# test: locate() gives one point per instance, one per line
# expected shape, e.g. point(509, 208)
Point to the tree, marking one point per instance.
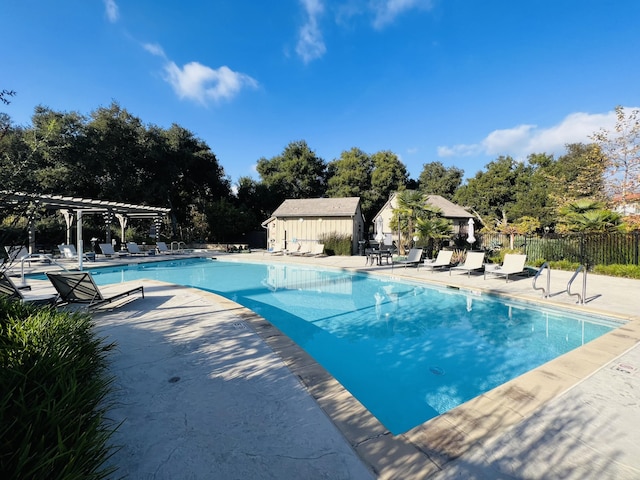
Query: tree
point(389, 175)
point(436, 179)
point(588, 216)
point(4, 94)
point(621, 149)
point(411, 205)
point(350, 176)
point(297, 173)
point(492, 194)
point(577, 174)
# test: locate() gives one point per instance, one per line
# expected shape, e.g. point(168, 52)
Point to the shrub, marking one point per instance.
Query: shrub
point(54, 386)
point(336, 244)
point(627, 271)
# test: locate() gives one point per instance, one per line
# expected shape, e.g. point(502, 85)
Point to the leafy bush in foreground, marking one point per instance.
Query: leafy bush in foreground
point(54, 384)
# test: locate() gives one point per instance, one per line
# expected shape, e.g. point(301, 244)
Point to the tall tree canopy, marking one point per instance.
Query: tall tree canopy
point(296, 173)
point(621, 149)
point(436, 179)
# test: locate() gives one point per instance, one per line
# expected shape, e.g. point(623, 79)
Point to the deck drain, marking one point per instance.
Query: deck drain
point(240, 325)
point(625, 368)
point(436, 370)
point(174, 379)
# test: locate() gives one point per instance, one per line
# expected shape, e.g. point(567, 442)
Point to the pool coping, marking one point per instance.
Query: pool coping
point(427, 448)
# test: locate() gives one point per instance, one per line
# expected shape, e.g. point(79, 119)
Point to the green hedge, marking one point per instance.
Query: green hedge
point(54, 388)
point(336, 244)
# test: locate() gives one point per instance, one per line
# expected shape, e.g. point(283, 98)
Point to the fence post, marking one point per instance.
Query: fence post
point(636, 236)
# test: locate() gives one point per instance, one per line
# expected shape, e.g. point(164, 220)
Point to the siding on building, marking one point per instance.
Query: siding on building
point(299, 223)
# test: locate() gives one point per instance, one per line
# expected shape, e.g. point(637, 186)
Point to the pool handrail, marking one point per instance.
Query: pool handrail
point(547, 291)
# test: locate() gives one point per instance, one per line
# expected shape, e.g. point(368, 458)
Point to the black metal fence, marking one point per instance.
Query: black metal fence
point(587, 249)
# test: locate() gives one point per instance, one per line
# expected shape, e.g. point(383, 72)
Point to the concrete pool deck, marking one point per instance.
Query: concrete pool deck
point(208, 389)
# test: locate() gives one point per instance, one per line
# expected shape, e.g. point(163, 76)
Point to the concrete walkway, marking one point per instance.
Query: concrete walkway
point(208, 390)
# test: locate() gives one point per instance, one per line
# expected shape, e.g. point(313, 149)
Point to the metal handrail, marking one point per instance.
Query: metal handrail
point(584, 284)
point(40, 256)
point(547, 291)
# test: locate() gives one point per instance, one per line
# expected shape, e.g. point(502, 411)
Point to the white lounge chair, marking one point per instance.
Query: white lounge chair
point(161, 247)
point(473, 261)
point(317, 250)
point(134, 249)
point(413, 258)
point(69, 252)
point(108, 251)
point(443, 260)
point(20, 253)
point(512, 265)
point(79, 287)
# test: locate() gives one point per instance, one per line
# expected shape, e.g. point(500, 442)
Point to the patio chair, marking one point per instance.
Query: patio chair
point(317, 250)
point(79, 287)
point(513, 264)
point(134, 249)
point(443, 260)
point(9, 289)
point(69, 252)
point(161, 247)
point(473, 261)
point(108, 251)
point(413, 258)
point(18, 253)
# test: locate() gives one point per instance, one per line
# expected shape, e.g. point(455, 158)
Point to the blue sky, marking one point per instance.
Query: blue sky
point(456, 81)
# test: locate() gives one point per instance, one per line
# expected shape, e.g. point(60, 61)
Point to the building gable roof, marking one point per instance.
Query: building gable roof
point(449, 209)
point(318, 207)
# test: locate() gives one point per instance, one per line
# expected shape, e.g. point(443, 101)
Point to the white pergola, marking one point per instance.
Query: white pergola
point(75, 207)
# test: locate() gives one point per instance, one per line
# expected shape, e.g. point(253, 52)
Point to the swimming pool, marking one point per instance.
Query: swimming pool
point(407, 351)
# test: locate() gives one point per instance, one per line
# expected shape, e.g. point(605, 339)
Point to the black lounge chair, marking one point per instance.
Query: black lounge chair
point(79, 287)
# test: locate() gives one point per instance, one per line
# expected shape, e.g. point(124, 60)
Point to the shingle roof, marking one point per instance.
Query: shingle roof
point(318, 207)
point(449, 209)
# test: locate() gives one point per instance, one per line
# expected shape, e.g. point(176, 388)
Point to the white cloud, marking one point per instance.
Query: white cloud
point(198, 82)
point(111, 9)
point(310, 42)
point(154, 49)
point(386, 11)
point(523, 140)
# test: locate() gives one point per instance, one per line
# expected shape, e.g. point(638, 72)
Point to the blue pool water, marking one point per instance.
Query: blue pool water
point(407, 351)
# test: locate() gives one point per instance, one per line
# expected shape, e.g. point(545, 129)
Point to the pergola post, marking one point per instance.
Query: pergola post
point(123, 225)
point(68, 218)
point(80, 247)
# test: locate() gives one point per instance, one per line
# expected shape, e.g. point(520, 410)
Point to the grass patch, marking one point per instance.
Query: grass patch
point(54, 395)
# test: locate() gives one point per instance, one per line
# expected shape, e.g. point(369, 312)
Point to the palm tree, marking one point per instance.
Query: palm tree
point(433, 230)
point(589, 216)
point(411, 205)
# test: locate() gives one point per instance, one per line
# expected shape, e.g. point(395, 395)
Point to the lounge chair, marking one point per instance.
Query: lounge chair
point(413, 258)
point(512, 265)
point(9, 289)
point(134, 249)
point(79, 287)
point(19, 253)
point(108, 251)
point(161, 247)
point(473, 261)
point(443, 260)
point(299, 250)
point(69, 252)
point(317, 250)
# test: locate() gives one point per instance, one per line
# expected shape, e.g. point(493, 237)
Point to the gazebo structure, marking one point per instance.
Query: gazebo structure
point(73, 208)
